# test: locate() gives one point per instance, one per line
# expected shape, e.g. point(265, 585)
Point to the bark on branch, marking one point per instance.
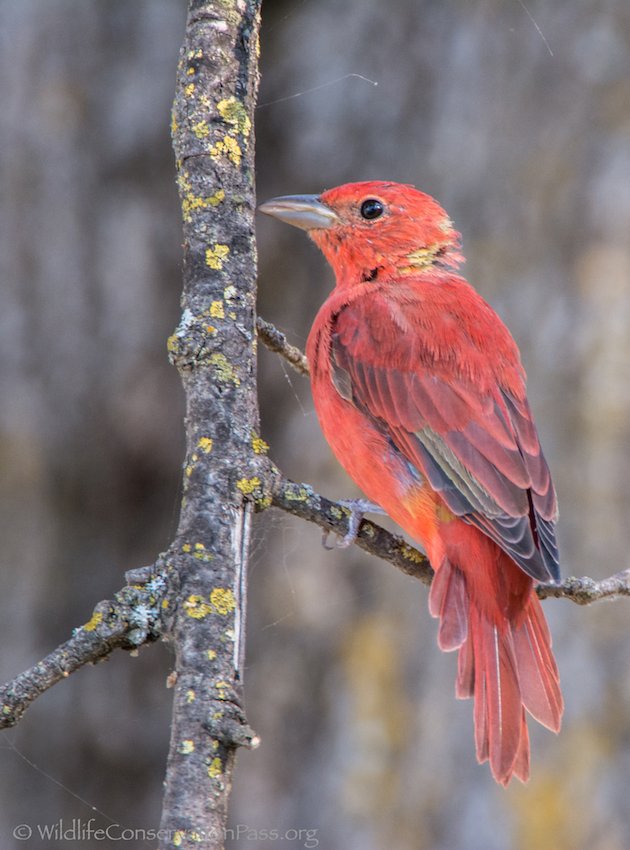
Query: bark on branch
point(276, 341)
point(214, 350)
point(126, 622)
point(302, 501)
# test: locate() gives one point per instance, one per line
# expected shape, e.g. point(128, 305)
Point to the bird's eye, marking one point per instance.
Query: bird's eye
point(371, 209)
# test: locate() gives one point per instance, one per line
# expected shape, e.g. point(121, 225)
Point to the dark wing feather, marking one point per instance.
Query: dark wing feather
point(480, 451)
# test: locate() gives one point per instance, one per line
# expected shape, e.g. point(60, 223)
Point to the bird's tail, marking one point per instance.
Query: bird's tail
point(506, 663)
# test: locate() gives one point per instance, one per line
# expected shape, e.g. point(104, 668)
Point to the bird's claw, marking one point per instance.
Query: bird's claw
point(328, 546)
point(357, 508)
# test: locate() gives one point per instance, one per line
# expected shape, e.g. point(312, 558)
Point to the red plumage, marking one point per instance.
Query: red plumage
point(420, 392)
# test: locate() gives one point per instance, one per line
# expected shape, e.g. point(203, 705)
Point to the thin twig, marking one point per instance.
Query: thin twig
point(123, 623)
point(302, 501)
point(276, 341)
point(585, 590)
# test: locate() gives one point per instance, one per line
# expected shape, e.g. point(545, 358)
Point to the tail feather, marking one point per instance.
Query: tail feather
point(448, 600)
point(538, 672)
point(521, 762)
point(508, 667)
point(482, 737)
point(465, 682)
point(495, 667)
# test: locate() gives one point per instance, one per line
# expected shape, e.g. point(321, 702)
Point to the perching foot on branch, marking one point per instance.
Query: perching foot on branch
point(357, 508)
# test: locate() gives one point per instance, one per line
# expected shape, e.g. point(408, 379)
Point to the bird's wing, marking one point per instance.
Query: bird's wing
point(478, 449)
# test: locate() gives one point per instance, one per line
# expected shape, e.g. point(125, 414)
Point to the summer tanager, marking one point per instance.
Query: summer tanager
point(420, 392)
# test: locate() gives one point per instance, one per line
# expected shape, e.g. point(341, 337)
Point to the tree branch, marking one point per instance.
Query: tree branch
point(128, 621)
point(276, 341)
point(214, 350)
point(585, 590)
point(197, 596)
point(302, 501)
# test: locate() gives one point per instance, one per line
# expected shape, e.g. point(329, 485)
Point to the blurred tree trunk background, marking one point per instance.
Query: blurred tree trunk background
point(521, 129)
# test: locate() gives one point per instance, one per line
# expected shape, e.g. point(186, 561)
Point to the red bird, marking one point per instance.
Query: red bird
point(420, 392)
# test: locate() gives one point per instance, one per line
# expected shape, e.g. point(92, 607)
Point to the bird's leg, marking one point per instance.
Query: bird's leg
point(357, 508)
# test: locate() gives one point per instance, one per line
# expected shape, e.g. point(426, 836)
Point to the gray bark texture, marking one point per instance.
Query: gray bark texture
point(214, 350)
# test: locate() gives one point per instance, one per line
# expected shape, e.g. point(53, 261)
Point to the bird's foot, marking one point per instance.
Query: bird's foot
point(357, 508)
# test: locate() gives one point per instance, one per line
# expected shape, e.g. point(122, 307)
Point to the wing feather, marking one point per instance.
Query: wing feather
point(477, 446)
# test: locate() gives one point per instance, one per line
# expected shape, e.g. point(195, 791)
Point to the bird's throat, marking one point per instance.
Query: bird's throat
point(422, 258)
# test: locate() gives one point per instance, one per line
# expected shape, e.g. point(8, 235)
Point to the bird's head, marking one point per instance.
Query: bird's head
point(373, 229)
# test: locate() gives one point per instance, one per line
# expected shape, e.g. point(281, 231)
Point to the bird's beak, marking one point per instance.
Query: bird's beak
point(304, 211)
